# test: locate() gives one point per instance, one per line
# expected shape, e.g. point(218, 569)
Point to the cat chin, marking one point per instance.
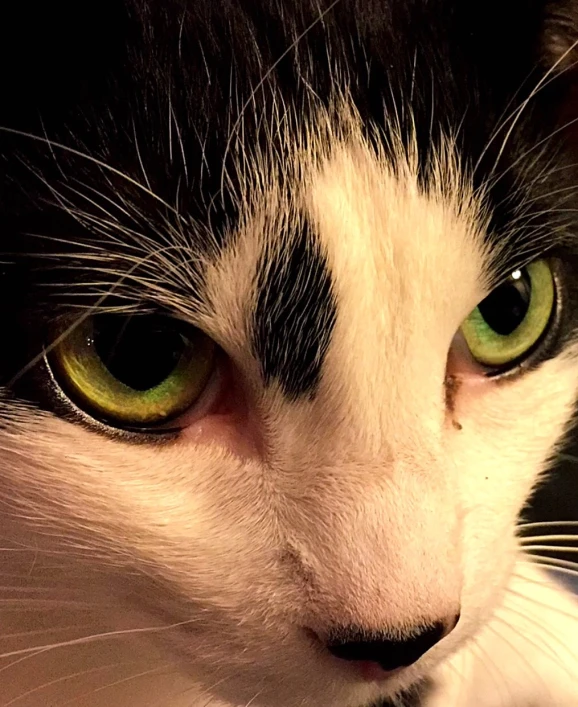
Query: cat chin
point(277, 664)
point(306, 685)
point(267, 667)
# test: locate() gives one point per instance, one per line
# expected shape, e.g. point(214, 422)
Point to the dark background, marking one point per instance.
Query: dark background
point(557, 500)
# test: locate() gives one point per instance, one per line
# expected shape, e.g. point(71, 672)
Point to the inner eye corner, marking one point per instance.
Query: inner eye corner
point(102, 369)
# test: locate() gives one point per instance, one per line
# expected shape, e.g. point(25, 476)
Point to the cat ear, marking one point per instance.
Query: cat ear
point(560, 37)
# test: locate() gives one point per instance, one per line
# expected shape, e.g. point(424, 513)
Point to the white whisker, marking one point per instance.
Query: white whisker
point(516, 651)
point(542, 143)
point(94, 160)
point(549, 524)
point(550, 548)
point(139, 157)
point(64, 678)
point(122, 681)
point(238, 122)
point(548, 581)
point(492, 669)
point(556, 566)
point(514, 117)
point(122, 633)
point(546, 538)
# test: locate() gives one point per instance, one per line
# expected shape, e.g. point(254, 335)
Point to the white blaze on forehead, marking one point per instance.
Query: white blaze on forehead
point(407, 268)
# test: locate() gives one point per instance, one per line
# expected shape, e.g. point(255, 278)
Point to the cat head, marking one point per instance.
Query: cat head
point(289, 295)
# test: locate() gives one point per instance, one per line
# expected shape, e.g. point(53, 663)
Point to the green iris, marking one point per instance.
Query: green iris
point(511, 320)
point(136, 371)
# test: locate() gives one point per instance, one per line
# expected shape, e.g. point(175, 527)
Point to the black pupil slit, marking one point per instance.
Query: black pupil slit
point(139, 351)
point(506, 307)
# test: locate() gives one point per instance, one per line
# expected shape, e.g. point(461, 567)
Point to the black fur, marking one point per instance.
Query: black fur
point(179, 79)
point(169, 94)
point(412, 698)
point(294, 314)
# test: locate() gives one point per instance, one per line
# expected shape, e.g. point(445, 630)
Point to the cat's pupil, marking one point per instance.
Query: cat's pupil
point(139, 351)
point(506, 307)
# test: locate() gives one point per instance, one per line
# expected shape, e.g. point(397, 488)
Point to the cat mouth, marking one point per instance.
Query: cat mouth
point(178, 632)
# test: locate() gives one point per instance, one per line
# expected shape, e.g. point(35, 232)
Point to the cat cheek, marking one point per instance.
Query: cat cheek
point(224, 432)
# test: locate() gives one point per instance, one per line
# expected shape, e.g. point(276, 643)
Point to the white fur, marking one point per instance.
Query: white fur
point(374, 503)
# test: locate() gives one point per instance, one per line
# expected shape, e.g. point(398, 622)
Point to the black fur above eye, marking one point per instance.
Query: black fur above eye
point(127, 121)
point(294, 314)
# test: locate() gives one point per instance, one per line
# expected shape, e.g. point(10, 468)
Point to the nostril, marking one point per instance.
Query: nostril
point(389, 653)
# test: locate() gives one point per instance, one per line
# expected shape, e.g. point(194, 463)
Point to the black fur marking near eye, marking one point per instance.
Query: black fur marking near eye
point(294, 315)
point(181, 96)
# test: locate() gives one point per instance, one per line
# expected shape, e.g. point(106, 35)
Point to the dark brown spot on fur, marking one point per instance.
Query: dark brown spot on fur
point(292, 561)
point(452, 384)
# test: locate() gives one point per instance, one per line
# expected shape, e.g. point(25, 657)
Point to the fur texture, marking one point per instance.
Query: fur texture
point(327, 191)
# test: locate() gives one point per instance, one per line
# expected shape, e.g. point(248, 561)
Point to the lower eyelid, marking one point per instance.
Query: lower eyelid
point(210, 399)
point(460, 361)
point(227, 418)
point(84, 389)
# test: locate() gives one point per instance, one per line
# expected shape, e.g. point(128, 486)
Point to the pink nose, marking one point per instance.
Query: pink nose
point(373, 672)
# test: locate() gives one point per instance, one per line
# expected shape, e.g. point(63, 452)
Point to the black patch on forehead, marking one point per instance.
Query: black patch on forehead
point(295, 313)
point(176, 97)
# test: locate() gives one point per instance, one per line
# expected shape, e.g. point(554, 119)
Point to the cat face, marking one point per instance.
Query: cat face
point(316, 228)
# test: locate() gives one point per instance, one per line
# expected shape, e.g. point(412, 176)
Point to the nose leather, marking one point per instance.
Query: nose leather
point(389, 653)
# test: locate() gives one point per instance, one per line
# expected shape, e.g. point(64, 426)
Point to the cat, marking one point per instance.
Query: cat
point(288, 304)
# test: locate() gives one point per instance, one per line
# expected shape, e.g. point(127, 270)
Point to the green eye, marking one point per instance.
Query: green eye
point(133, 371)
point(512, 318)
